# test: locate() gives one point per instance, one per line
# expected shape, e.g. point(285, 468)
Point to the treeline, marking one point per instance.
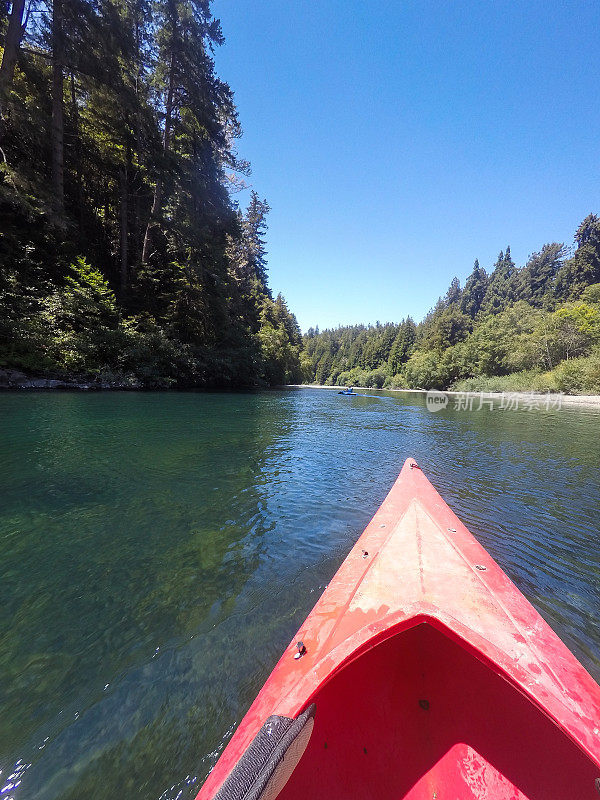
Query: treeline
point(531, 328)
point(122, 252)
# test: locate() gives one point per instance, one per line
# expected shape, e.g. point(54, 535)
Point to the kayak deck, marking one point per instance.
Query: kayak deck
point(431, 675)
point(418, 714)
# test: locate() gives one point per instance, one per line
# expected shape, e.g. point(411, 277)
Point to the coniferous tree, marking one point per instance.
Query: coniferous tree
point(535, 282)
point(402, 346)
point(118, 147)
point(584, 268)
point(15, 30)
point(500, 290)
point(454, 293)
point(474, 291)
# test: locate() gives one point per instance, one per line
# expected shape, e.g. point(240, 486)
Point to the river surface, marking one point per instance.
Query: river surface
point(158, 551)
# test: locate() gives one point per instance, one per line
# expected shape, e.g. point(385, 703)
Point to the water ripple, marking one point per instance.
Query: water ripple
point(158, 551)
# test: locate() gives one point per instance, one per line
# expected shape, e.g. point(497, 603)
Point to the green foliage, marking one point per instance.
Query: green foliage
point(505, 332)
point(402, 346)
point(446, 328)
point(424, 371)
point(280, 340)
point(395, 382)
point(82, 322)
point(575, 376)
point(524, 381)
point(535, 282)
point(474, 291)
point(357, 377)
point(591, 294)
point(584, 268)
point(501, 290)
point(122, 252)
point(579, 375)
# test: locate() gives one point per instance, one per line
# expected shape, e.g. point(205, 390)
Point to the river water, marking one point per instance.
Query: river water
point(158, 551)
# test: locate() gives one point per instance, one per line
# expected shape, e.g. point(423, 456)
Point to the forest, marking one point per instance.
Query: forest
point(125, 258)
point(533, 328)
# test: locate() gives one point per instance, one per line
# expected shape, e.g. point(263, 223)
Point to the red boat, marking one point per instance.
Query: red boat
point(422, 673)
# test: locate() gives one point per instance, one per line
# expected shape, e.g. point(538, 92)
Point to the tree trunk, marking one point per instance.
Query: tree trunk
point(12, 43)
point(57, 106)
point(157, 199)
point(78, 153)
point(124, 248)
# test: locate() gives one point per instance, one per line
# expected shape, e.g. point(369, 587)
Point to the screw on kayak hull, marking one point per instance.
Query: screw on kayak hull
point(452, 530)
point(365, 553)
point(301, 650)
point(480, 567)
point(424, 704)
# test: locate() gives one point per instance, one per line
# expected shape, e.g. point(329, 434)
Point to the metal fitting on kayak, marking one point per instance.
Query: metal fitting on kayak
point(480, 567)
point(301, 650)
point(414, 465)
point(365, 553)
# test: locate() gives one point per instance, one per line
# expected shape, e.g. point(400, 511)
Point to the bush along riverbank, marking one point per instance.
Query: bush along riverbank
point(536, 328)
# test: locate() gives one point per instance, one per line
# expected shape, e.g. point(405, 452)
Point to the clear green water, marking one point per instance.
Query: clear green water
point(158, 551)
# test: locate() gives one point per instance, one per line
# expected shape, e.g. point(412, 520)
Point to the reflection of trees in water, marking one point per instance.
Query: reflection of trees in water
point(99, 587)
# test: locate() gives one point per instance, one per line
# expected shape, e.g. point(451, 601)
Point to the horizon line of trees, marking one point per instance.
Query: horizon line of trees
point(123, 253)
point(540, 321)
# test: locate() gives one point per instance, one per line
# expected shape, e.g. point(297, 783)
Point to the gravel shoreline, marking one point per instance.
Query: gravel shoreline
point(589, 400)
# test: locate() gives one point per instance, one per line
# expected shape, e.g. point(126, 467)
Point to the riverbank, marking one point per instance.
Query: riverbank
point(590, 400)
point(15, 380)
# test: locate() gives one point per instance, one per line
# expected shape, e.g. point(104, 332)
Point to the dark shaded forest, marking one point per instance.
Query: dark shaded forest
point(534, 328)
point(126, 260)
point(124, 256)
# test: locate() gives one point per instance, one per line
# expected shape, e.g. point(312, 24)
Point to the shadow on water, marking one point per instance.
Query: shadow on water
point(158, 551)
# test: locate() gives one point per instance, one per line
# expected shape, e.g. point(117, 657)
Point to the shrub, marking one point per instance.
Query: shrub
point(397, 381)
point(375, 379)
point(579, 375)
point(422, 371)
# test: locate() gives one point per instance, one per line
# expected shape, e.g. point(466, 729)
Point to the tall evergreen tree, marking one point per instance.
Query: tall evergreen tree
point(454, 293)
point(474, 291)
point(535, 282)
point(402, 346)
point(584, 268)
point(15, 30)
point(500, 290)
point(118, 148)
point(254, 227)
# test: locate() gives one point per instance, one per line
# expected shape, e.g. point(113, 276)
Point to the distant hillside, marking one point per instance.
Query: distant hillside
point(531, 328)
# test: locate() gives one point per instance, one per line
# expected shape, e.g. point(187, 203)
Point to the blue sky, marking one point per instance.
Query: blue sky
point(398, 141)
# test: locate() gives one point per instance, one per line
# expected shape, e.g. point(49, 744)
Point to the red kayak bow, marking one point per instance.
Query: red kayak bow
point(421, 673)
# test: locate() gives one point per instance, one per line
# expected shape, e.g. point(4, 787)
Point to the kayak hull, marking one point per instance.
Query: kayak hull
point(431, 675)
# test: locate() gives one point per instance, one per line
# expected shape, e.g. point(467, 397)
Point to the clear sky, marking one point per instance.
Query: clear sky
point(398, 140)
